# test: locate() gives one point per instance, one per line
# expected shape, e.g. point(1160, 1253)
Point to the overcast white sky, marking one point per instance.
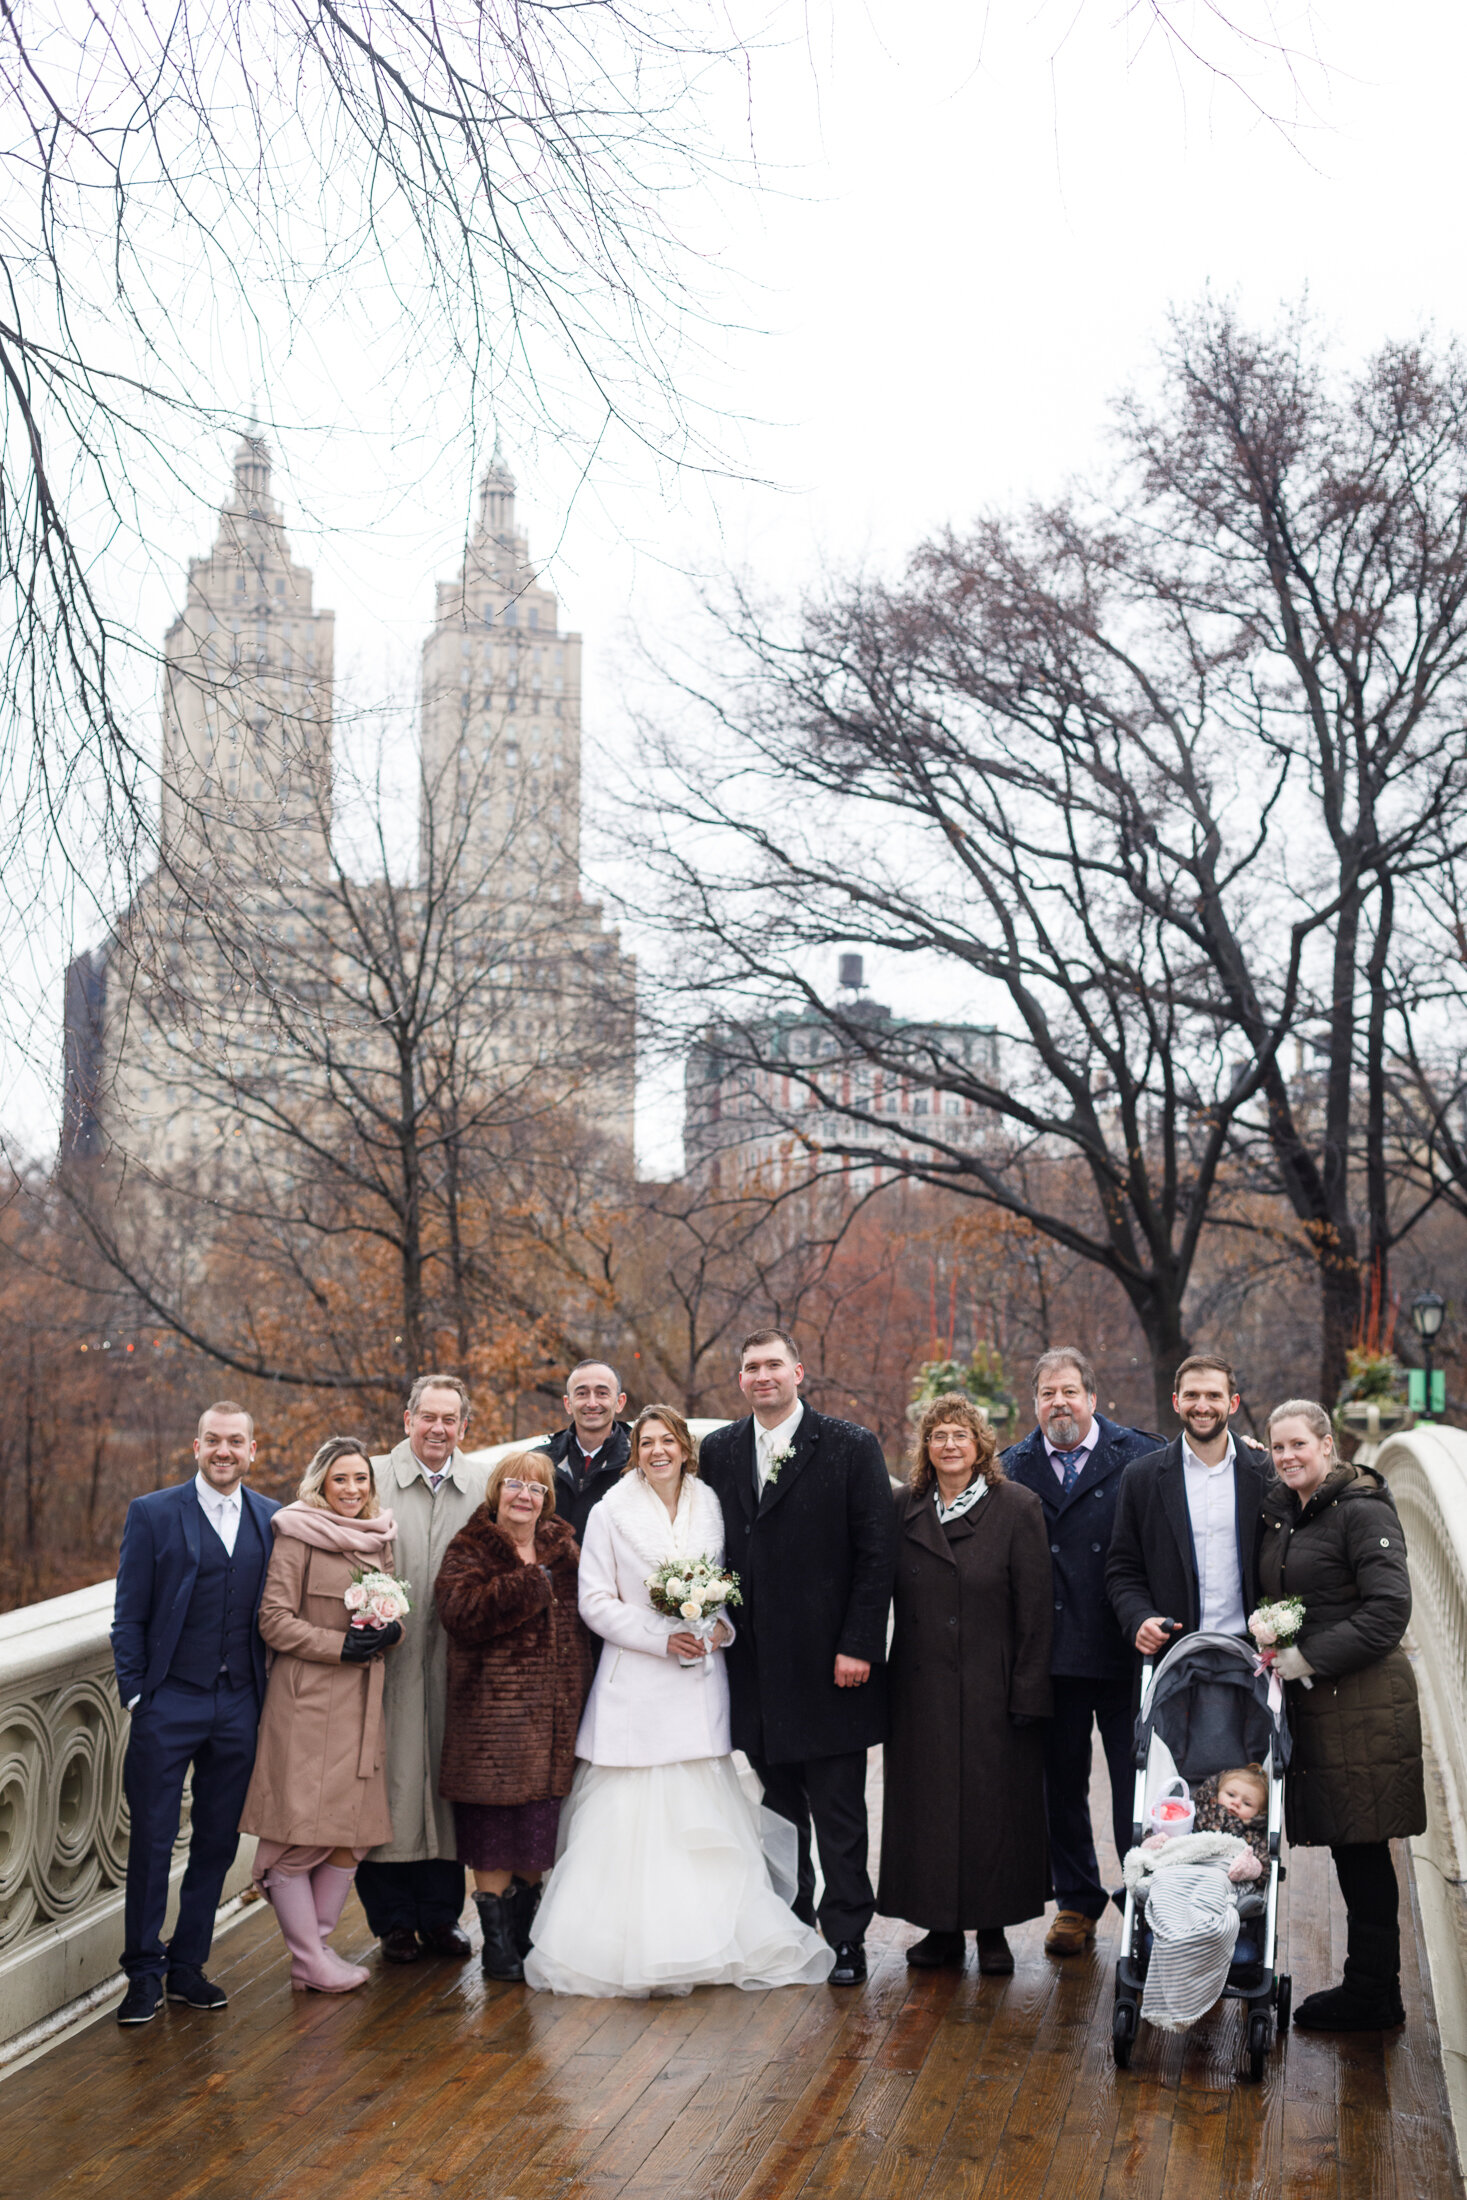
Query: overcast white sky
point(972, 225)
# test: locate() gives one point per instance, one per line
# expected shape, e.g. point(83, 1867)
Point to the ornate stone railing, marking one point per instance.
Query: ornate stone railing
point(63, 1817)
point(1426, 1468)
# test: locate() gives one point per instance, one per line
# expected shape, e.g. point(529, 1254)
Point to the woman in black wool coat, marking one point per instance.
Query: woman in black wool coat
point(1331, 1537)
point(963, 1841)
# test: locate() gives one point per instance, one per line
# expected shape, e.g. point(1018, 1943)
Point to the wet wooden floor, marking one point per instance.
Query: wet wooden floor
point(431, 2083)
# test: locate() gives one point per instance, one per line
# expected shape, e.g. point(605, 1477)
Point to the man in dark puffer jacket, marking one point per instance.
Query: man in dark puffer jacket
point(1331, 1537)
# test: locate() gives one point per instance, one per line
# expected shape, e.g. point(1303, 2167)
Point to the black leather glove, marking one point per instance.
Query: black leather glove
point(359, 1645)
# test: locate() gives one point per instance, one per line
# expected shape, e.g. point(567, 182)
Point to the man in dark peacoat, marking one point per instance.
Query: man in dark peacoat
point(1073, 1463)
point(1164, 1563)
point(191, 1670)
point(810, 1532)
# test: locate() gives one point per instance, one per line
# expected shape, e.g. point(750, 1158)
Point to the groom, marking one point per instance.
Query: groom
point(810, 1530)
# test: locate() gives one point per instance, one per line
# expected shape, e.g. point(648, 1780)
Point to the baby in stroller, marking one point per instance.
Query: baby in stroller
point(1187, 1884)
point(1200, 1915)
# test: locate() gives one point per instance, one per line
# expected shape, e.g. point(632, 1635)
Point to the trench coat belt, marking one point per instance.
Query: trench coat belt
point(371, 1720)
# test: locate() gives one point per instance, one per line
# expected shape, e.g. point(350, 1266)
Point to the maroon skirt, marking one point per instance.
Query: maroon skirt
point(501, 1837)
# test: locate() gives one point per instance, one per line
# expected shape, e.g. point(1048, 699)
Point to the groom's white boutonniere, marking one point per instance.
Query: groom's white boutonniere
point(778, 1460)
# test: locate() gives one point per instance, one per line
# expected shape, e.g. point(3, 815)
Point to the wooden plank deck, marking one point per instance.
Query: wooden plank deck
point(432, 2083)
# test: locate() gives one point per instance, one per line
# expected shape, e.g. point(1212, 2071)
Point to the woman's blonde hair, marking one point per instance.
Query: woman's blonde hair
point(682, 1436)
point(921, 1474)
point(313, 1481)
point(525, 1466)
point(1307, 1410)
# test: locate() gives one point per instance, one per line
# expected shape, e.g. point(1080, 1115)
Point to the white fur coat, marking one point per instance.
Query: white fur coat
point(644, 1708)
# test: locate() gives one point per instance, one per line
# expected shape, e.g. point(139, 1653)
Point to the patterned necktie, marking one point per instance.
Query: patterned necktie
point(1071, 1461)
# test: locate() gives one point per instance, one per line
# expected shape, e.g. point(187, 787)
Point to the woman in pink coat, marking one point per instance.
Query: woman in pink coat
point(318, 1797)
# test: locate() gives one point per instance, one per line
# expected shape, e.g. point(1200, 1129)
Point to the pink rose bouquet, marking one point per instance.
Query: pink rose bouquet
point(376, 1599)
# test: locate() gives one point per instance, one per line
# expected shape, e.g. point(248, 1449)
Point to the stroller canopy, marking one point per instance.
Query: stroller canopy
point(1211, 1710)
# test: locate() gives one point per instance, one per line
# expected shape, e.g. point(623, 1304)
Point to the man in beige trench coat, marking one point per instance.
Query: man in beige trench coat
point(412, 1887)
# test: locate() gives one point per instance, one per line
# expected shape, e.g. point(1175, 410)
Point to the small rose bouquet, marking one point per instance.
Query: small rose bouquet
point(694, 1591)
point(376, 1599)
point(1275, 1627)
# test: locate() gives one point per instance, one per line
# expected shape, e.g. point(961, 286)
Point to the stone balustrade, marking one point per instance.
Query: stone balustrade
point(63, 1816)
point(1426, 1468)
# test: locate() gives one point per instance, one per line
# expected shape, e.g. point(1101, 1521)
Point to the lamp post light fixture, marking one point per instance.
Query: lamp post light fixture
point(1428, 1386)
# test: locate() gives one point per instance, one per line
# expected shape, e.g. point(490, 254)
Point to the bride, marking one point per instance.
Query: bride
point(660, 1883)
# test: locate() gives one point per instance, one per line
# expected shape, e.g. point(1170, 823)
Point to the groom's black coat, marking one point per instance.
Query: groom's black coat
point(816, 1557)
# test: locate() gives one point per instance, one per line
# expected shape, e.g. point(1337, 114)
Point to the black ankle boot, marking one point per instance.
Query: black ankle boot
point(524, 1901)
point(1368, 1998)
point(501, 1958)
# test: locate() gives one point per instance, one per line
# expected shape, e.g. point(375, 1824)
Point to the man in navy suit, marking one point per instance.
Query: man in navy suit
point(191, 1670)
point(1073, 1462)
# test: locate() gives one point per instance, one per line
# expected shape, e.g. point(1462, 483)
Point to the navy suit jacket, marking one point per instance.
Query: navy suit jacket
point(1088, 1643)
point(155, 1579)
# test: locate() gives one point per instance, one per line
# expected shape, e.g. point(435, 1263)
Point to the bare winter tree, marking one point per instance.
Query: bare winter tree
point(333, 1105)
point(1151, 775)
point(476, 196)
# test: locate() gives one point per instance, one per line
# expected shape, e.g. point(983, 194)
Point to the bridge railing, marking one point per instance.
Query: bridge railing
point(1426, 1468)
point(63, 1815)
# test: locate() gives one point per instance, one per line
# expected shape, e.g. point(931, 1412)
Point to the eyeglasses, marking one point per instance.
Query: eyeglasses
point(524, 1489)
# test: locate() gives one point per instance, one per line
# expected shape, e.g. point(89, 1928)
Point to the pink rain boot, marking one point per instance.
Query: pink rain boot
point(330, 1886)
point(313, 1969)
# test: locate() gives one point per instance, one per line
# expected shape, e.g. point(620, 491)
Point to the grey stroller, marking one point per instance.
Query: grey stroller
point(1203, 1709)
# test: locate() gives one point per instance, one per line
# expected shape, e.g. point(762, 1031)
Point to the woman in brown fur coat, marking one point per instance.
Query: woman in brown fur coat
point(519, 1667)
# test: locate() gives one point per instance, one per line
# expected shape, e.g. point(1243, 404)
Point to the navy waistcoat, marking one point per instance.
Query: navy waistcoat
point(216, 1639)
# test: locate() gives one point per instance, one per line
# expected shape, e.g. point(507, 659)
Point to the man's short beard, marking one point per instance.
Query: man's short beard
point(1059, 1421)
point(1196, 1426)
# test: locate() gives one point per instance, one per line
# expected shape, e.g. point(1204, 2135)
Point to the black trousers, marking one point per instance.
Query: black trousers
point(832, 1792)
point(1079, 1704)
point(214, 1730)
point(1368, 1883)
point(417, 1898)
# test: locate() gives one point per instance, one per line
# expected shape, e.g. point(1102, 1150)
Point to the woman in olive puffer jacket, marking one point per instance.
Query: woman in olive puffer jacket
point(1331, 1537)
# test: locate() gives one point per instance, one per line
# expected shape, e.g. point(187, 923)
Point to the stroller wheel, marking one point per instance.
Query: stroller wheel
point(1260, 2039)
point(1285, 2002)
point(1123, 2033)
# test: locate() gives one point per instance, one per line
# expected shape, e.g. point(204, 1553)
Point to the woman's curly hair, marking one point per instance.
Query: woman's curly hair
point(921, 1473)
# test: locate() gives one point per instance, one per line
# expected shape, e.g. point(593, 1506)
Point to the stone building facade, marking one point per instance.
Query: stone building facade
point(233, 950)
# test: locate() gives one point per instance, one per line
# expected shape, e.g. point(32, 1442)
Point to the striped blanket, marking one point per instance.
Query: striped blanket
point(1192, 1909)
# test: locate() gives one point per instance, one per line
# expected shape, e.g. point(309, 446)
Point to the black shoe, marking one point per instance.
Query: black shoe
point(142, 2001)
point(524, 1901)
point(995, 1956)
point(850, 1963)
point(1351, 2008)
point(446, 1940)
point(188, 1984)
point(501, 1958)
point(401, 1945)
point(936, 1949)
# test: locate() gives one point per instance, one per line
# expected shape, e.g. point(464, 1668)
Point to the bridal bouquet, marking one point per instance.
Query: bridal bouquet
point(1275, 1627)
point(375, 1599)
point(694, 1591)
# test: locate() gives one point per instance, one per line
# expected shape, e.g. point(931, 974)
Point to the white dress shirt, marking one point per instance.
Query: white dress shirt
point(221, 1512)
point(768, 1441)
point(1212, 1506)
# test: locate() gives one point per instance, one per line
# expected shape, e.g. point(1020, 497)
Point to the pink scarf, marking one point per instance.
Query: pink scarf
point(327, 1531)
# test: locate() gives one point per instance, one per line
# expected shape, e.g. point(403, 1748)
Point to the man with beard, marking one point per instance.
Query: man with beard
point(1184, 1554)
point(1073, 1462)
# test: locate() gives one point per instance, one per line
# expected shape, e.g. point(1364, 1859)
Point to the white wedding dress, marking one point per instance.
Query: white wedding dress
point(661, 1882)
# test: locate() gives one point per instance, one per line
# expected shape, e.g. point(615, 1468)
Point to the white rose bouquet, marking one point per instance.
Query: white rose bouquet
point(376, 1599)
point(1275, 1627)
point(694, 1591)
